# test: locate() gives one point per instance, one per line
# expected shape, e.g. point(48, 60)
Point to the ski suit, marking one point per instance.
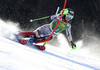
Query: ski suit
point(46, 29)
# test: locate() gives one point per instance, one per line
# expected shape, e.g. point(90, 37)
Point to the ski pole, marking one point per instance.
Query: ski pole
point(56, 14)
point(57, 23)
point(70, 51)
point(57, 10)
point(39, 18)
point(45, 16)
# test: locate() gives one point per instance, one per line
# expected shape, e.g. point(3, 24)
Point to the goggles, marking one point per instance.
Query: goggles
point(69, 16)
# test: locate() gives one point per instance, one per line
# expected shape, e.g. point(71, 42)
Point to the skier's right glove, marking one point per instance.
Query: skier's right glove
point(73, 45)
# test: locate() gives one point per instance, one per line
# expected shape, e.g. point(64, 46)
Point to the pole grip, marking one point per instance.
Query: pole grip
point(57, 10)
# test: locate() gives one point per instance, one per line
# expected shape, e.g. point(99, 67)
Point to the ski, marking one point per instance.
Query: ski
point(27, 37)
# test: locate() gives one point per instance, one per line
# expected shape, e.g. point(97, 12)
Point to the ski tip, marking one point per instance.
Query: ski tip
point(23, 42)
point(42, 48)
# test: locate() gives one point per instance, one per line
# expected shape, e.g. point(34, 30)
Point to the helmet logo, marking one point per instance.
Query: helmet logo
point(71, 12)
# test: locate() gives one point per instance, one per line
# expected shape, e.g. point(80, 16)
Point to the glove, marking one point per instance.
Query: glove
point(73, 45)
point(55, 17)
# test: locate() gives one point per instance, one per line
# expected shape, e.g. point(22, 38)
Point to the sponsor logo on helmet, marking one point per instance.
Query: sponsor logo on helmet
point(71, 12)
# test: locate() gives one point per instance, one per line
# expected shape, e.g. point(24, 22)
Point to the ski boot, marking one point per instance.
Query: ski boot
point(27, 41)
point(30, 42)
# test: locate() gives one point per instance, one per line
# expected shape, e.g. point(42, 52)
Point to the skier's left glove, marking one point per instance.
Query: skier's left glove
point(73, 45)
point(55, 17)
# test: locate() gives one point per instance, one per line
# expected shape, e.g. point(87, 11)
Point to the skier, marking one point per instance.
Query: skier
point(65, 24)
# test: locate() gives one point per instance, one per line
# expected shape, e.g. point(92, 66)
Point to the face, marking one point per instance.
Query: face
point(67, 19)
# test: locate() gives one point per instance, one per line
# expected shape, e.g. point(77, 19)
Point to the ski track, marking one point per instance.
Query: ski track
point(14, 56)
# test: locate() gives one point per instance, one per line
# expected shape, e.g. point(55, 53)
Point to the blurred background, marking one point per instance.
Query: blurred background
point(86, 18)
point(85, 25)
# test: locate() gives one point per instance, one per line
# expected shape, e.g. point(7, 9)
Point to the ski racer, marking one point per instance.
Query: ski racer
point(65, 24)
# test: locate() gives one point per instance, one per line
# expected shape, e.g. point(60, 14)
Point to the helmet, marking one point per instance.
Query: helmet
point(68, 12)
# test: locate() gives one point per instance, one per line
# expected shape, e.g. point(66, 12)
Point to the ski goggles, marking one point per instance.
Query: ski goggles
point(69, 16)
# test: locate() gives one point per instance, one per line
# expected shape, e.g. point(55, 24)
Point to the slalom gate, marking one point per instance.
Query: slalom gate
point(57, 23)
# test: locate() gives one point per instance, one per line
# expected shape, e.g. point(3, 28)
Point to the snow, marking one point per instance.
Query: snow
point(14, 56)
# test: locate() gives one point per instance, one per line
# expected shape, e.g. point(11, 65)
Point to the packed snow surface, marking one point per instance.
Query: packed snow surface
point(15, 56)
